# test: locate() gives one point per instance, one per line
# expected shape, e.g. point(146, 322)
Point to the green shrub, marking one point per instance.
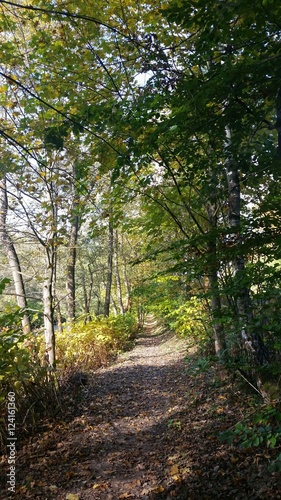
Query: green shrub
point(262, 429)
point(22, 374)
point(190, 320)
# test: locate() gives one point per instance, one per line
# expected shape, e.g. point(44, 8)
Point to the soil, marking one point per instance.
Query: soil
point(146, 427)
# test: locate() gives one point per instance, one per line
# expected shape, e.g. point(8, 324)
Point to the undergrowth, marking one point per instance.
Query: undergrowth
point(34, 386)
point(93, 344)
point(24, 376)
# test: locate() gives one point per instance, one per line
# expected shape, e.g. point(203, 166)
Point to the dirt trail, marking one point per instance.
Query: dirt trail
point(136, 398)
point(144, 430)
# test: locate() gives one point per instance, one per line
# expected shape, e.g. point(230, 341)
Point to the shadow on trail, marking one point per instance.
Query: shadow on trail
point(154, 340)
point(130, 431)
point(134, 389)
point(136, 421)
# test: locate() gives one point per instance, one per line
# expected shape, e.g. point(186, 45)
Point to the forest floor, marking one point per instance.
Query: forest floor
point(146, 427)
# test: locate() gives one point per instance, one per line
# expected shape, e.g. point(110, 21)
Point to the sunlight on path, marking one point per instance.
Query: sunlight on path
point(154, 345)
point(137, 401)
point(144, 429)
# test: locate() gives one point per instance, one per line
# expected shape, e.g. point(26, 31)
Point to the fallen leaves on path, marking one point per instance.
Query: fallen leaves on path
point(145, 429)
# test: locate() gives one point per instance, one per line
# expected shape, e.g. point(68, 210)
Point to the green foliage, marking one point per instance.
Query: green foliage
point(212, 65)
point(54, 136)
point(90, 345)
point(21, 373)
point(177, 424)
point(275, 465)
point(169, 297)
point(202, 364)
point(263, 429)
point(190, 320)
point(3, 283)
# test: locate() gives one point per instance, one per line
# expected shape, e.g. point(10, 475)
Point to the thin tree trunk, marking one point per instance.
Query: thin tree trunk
point(49, 285)
point(12, 257)
point(109, 270)
point(252, 340)
point(117, 274)
point(59, 318)
point(125, 279)
point(114, 307)
point(72, 252)
point(278, 121)
point(87, 294)
point(213, 281)
point(234, 220)
point(70, 269)
point(49, 315)
point(86, 299)
point(90, 292)
point(219, 334)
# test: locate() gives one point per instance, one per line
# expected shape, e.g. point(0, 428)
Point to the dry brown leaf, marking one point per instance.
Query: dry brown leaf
point(100, 486)
point(174, 470)
point(158, 489)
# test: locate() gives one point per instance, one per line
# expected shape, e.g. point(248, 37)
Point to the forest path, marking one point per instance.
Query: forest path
point(144, 429)
point(136, 399)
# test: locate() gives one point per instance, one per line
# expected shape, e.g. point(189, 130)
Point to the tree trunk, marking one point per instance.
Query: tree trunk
point(125, 278)
point(117, 274)
point(72, 252)
point(278, 121)
point(213, 267)
point(70, 269)
point(87, 293)
point(49, 315)
point(252, 340)
point(49, 285)
point(12, 257)
point(109, 270)
point(219, 334)
point(59, 318)
point(235, 239)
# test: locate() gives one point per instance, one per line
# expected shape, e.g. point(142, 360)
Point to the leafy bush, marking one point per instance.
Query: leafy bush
point(92, 344)
point(190, 320)
point(22, 373)
point(264, 429)
point(275, 465)
point(201, 365)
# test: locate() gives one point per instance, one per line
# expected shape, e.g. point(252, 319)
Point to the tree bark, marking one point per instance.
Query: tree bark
point(49, 284)
point(49, 315)
point(12, 256)
point(70, 269)
point(125, 278)
point(109, 270)
point(214, 290)
point(235, 238)
point(117, 274)
point(278, 121)
point(87, 292)
point(72, 251)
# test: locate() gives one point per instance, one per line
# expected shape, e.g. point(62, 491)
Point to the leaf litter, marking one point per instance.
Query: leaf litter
point(146, 428)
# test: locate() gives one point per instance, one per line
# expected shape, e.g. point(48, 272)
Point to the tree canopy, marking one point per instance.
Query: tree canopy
point(140, 155)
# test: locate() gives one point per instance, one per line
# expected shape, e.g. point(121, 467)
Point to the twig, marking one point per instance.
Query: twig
point(243, 376)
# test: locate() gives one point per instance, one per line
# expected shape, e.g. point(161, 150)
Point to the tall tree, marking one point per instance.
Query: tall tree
point(12, 256)
point(110, 252)
point(117, 272)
